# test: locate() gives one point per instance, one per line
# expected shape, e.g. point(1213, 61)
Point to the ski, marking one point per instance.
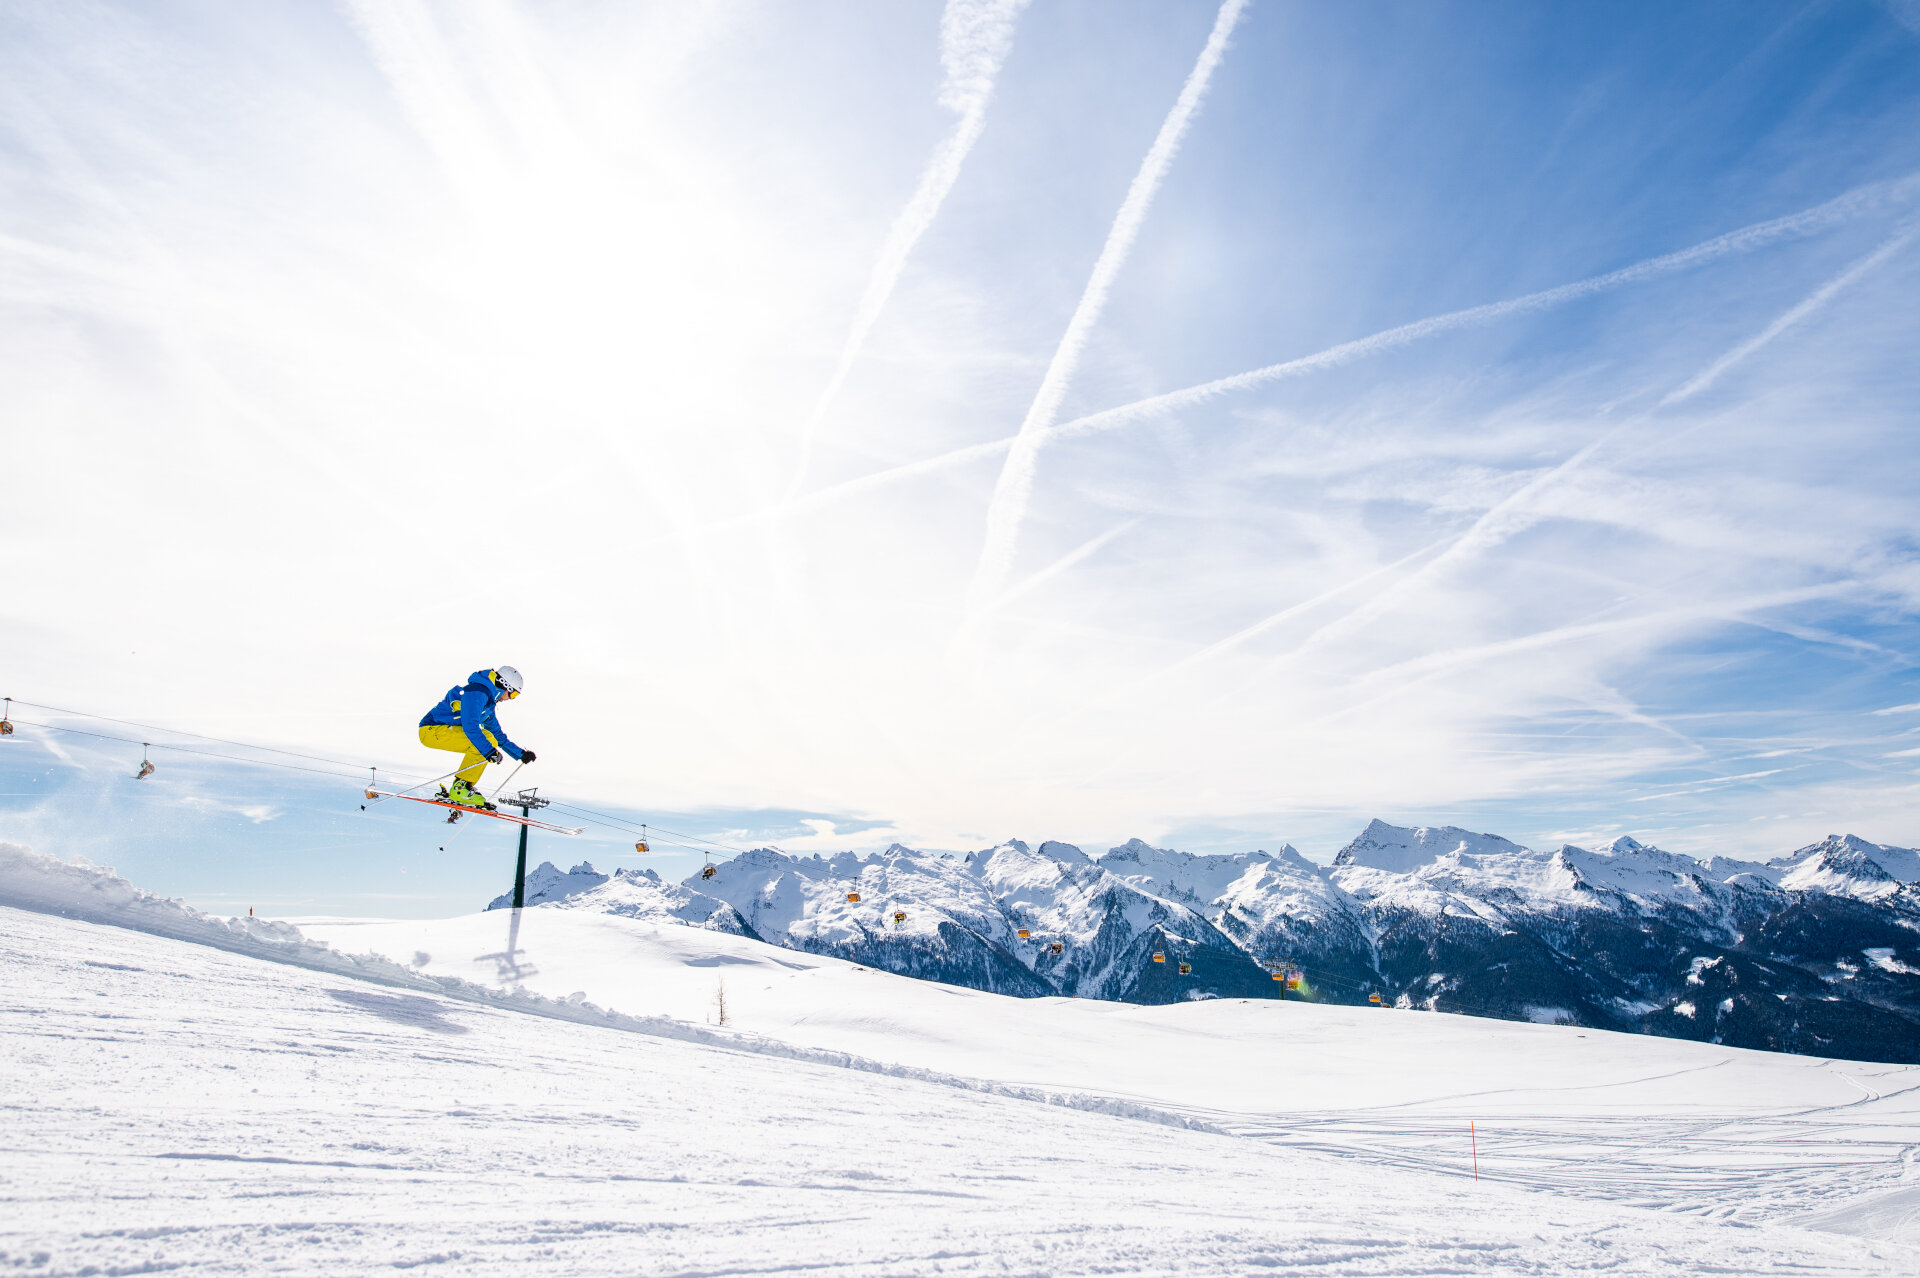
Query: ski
point(459, 809)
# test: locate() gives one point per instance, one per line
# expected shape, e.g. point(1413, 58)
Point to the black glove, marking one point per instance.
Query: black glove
point(526, 756)
point(495, 757)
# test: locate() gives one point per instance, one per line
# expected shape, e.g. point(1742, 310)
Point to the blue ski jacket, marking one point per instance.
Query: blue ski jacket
point(470, 707)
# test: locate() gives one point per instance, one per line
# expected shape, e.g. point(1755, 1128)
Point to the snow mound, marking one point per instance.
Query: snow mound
point(79, 889)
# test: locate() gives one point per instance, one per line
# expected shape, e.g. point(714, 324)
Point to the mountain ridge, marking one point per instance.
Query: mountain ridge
point(1817, 950)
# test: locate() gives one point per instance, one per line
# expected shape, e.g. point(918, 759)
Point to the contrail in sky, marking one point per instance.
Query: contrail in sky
point(1512, 513)
point(1073, 558)
point(1287, 614)
point(1745, 240)
point(1496, 524)
point(1434, 665)
point(410, 51)
point(1811, 303)
point(1010, 493)
point(1133, 691)
point(974, 38)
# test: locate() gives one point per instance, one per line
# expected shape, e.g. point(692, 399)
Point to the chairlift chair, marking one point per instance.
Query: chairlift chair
point(1057, 948)
point(1159, 958)
point(899, 917)
point(853, 898)
point(146, 764)
point(1186, 969)
point(1023, 934)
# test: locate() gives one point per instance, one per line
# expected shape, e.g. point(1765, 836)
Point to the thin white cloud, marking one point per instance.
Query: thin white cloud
point(257, 813)
point(1008, 505)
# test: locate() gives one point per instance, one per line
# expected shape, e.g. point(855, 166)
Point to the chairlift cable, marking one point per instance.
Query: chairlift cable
point(198, 736)
point(210, 754)
point(692, 841)
point(619, 822)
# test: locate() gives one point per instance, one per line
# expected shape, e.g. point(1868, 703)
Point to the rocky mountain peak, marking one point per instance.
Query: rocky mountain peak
point(1402, 850)
point(1848, 865)
point(1134, 850)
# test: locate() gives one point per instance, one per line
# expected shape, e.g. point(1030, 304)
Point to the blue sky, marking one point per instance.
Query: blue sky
point(853, 415)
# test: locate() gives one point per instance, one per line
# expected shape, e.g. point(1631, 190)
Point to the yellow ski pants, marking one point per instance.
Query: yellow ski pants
point(450, 736)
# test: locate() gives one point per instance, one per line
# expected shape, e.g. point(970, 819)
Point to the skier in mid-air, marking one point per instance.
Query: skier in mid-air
point(464, 722)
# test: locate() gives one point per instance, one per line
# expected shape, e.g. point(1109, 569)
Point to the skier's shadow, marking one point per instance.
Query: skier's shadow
point(402, 1009)
point(509, 967)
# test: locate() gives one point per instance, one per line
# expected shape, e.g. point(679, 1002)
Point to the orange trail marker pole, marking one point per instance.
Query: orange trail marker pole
point(1474, 1136)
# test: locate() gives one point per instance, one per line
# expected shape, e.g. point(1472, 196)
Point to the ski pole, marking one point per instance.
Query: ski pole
point(374, 799)
point(430, 780)
point(510, 776)
point(459, 826)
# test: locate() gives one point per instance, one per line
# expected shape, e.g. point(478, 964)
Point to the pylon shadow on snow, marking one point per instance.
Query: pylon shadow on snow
point(402, 1009)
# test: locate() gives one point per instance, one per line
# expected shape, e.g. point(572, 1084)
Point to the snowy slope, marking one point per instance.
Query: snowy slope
point(227, 1115)
point(248, 1115)
point(1226, 1054)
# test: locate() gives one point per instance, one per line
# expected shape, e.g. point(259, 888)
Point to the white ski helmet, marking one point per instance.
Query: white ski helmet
point(509, 678)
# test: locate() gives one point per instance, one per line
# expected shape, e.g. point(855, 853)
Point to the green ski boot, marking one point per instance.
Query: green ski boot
point(463, 793)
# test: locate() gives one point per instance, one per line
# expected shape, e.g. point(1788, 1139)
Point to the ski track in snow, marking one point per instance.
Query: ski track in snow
point(171, 1104)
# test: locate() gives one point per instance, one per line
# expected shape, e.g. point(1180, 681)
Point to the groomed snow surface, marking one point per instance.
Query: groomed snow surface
point(547, 1091)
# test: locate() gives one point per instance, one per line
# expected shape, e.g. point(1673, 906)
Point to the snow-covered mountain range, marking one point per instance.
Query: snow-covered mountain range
point(1817, 951)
